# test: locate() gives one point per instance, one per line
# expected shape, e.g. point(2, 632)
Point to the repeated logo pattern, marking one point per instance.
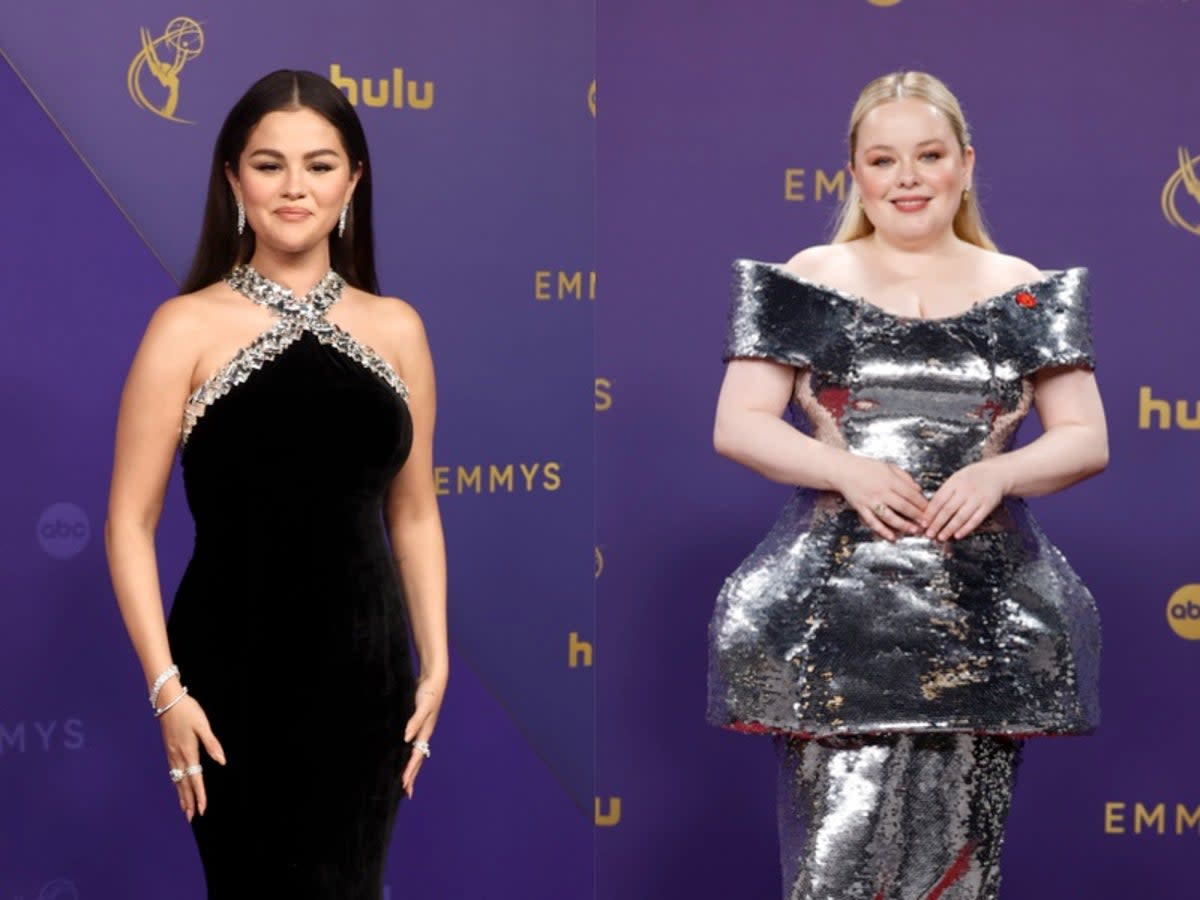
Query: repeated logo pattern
point(1181, 211)
point(63, 530)
point(1183, 612)
point(162, 58)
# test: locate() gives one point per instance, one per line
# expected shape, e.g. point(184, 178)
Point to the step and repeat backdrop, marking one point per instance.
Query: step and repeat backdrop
point(481, 124)
point(723, 135)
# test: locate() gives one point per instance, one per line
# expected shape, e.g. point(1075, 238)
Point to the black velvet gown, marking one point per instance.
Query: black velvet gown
point(288, 626)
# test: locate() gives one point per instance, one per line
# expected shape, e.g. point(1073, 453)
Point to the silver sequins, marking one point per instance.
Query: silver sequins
point(901, 817)
point(827, 630)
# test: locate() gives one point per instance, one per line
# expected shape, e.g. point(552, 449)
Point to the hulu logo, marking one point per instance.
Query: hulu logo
point(398, 92)
point(1153, 411)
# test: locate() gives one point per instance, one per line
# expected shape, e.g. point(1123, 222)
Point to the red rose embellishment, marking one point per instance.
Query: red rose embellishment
point(1026, 299)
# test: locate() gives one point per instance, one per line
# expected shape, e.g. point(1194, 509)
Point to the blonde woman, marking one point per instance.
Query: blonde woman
point(906, 624)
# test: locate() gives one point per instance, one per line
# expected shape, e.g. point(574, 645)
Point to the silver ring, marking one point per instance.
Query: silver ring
point(176, 775)
point(422, 747)
point(193, 770)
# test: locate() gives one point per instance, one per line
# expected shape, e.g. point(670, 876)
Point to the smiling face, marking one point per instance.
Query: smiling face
point(293, 178)
point(910, 171)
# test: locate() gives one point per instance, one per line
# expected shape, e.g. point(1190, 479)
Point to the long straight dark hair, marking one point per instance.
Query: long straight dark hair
point(220, 247)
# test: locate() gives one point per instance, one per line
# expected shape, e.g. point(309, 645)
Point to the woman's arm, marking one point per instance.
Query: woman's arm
point(749, 429)
point(1074, 442)
point(147, 435)
point(415, 530)
point(1072, 447)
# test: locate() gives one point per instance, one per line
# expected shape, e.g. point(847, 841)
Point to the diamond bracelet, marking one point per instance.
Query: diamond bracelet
point(171, 672)
point(159, 710)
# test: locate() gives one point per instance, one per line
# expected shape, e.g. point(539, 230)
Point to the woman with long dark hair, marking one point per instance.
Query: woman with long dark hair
point(906, 624)
point(301, 404)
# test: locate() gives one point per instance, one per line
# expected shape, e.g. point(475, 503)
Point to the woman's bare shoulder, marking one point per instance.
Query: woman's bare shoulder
point(399, 317)
point(811, 262)
point(189, 313)
point(396, 325)
point(820, 262)
point(190, 324)
point(1001, 268)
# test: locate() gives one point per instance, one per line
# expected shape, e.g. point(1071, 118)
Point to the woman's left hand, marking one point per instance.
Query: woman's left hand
point(964, 500)
point(420, 727)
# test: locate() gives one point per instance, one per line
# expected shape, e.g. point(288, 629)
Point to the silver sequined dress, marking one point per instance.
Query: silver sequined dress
point(826, 629)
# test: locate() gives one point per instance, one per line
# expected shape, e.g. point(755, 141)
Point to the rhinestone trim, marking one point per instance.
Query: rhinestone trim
point(296, 317)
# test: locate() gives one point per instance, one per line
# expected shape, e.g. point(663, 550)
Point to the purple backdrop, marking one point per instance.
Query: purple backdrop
point(483, 175)
point(1079, 111)
point(721, 137)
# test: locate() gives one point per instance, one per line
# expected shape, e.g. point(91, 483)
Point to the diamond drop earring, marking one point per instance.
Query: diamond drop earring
point(342, 220)
point(241, 226)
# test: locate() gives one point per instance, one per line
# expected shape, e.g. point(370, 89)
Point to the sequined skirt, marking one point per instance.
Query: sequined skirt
point(895, 817)
point(827, 630)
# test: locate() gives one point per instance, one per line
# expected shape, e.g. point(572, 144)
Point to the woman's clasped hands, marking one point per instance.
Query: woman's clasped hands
point(890, 502)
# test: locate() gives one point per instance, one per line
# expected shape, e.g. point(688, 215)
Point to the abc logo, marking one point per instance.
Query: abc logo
point(63, 530)
point(1183, 612)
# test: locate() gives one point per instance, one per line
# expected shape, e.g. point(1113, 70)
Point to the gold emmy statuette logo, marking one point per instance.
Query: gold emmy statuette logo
point(591, 97)
point(1187, 176)
point(883, 2)
point(182, 40)
point(599, 567)
point(1183, 612)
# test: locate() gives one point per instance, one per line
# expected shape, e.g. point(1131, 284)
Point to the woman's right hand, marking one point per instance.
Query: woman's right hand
point(185, 727)
point(886, 498)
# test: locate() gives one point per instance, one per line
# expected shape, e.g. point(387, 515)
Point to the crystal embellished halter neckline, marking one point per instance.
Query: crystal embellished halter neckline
point(252, 284)
point(296, 318)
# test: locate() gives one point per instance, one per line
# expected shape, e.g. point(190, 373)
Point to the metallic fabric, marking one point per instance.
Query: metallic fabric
point(296, 317)
point(894, 817)
point(826, 629)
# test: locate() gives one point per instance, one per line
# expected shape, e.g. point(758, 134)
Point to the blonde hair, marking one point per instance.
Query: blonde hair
point(852, 222)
